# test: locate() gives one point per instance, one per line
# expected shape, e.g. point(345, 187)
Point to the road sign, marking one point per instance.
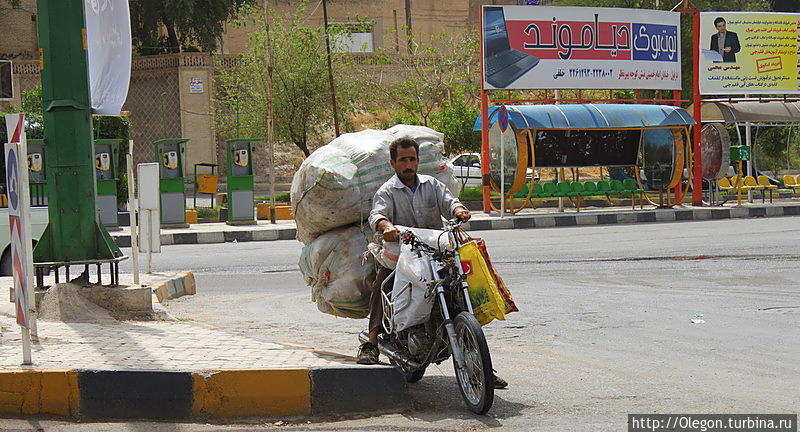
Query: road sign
point(502, 118)
point(20, 225)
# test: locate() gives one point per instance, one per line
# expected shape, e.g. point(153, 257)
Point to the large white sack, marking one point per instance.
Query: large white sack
point(335, 185)
point(339, 272)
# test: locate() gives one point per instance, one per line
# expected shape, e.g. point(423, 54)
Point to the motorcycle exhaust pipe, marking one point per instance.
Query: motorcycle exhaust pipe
point(398, 357)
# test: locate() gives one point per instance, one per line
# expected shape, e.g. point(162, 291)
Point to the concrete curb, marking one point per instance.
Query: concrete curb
point(177, 286)
point(170, 395)
point(511, 222)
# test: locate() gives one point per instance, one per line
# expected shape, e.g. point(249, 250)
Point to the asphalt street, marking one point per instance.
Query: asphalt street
point(604, 329)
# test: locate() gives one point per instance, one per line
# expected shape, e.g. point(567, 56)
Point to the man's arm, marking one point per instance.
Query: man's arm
point(450, 206)
point(713, 40)
point(381, 215)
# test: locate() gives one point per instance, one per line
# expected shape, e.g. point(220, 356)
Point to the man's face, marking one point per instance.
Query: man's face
point(721, 27)
point(406, 163)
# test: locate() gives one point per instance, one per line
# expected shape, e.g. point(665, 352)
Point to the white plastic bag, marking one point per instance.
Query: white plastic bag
point(410, 298)
point(339, 272)
point(335, 184)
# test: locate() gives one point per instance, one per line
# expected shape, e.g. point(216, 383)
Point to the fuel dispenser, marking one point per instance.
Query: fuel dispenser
point(240, 180)
point(170, 153)
point(37, 178)
point(106, 170)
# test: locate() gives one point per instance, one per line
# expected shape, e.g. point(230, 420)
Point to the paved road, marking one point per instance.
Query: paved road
point(604, 330)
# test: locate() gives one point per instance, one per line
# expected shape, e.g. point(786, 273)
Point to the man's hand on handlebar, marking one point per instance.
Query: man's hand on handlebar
point(462, 214)
point(390, 232)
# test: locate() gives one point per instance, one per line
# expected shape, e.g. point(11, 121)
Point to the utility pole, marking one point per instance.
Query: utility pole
point(330, 67)
point(409, 29)
point(73, 232)
point(270, 119)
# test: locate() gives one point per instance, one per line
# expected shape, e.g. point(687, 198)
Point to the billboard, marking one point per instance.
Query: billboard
point(749, 52)
point(578, 47)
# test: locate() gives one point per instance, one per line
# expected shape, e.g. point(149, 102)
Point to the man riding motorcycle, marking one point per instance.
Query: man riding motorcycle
point(412, 200)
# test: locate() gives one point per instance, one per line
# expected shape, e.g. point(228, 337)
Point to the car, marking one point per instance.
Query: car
point(467, 169)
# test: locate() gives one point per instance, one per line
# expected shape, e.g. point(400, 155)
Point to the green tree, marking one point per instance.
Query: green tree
point(300, 91)
point(440, 70)
point(189, 24)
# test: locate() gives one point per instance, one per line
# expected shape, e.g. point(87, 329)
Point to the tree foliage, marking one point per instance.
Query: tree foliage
point(189, 24)
point(301, 100)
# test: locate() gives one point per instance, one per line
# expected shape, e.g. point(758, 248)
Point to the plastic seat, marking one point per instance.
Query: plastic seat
point(550, 190)
point(751, 182)
point(523, 192)
point(564, 188)
point(736, 181)
point(603, 187)
point(764, 181)
point(789, 181)
point(577, 189)
point(631, 185)
point(617, 188)
point(724, 184)
point(589, 188)
point(538, 190)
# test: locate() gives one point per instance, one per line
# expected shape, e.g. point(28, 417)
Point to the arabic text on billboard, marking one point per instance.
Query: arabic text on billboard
point(577, 47)
point(749, 52)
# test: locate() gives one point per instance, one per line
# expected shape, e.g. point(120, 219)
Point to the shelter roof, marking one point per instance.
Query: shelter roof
point(592, 116)
point(749, 111)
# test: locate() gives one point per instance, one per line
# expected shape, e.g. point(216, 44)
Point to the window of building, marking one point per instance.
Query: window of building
point(6, 90)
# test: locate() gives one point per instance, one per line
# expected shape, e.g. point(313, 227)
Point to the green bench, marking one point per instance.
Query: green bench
point(577, 190)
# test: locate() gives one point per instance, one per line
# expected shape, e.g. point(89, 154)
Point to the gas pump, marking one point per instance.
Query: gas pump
point(171, 153)
point(37, 178)
point(106, 170)
point(240, 180)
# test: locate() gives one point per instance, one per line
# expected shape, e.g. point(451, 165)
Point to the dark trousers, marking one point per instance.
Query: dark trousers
point(376, 300)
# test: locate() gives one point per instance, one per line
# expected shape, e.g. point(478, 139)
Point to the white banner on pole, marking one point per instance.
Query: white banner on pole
point(149, 215)
point(558, 47)
point(108, 39)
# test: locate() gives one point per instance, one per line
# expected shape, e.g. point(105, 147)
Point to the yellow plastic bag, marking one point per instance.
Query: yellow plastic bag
point(487, 302)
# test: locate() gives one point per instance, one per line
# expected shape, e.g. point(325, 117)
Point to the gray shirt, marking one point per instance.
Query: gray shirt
point(423, 208)
point(721, 42)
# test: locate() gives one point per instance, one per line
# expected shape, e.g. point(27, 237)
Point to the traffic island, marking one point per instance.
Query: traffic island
point(173, 370)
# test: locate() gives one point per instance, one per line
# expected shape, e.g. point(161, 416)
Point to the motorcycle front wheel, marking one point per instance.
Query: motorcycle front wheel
point(476, 379)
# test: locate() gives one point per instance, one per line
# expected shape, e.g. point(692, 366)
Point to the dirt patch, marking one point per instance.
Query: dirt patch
point(64, 302)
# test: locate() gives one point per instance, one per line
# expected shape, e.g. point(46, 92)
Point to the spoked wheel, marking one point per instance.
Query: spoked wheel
point(411, 377)
point(476, 380)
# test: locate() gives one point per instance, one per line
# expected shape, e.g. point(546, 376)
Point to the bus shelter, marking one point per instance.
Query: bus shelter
point(743, 113)
point(652, 138)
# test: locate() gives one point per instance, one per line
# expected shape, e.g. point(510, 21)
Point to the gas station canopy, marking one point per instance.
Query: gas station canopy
point(749, 111)
point(593, 116)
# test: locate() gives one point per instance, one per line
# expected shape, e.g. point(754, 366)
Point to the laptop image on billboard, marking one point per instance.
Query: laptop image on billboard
point(502, 65)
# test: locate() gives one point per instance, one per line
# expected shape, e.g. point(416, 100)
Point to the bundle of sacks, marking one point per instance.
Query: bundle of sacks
point(332, 195)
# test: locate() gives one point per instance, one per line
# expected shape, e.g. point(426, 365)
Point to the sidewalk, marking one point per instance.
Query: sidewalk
point(179, 370)
point(528, 218)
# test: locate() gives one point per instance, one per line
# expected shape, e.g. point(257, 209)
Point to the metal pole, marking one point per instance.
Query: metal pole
point(133, 208)
point(559, 171)
point(697, 175)
point(150, 242)
point(26, 347)
point(502, 174)
point(487, 206)
point(330, 67)
point(270, 122)
point(748, 137)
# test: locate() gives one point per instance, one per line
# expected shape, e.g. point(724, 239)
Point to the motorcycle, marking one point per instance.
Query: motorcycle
point(450, 329)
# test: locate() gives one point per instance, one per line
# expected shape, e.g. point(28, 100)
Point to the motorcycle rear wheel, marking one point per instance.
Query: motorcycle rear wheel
point(476, 380)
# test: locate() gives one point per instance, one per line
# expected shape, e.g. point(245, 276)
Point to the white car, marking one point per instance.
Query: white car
point(467, 169)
